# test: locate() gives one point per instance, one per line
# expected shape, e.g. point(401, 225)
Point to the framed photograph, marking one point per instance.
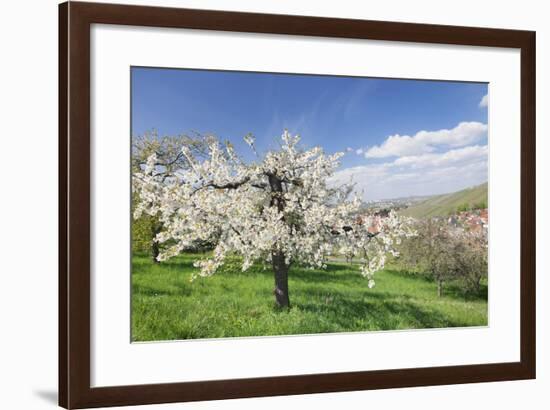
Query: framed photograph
point(258, 205)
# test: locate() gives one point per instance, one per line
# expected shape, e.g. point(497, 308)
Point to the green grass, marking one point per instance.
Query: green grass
point(443, 205)
point(167, 306)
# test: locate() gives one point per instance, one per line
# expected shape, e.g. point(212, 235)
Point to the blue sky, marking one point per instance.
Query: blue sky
point(401, 137)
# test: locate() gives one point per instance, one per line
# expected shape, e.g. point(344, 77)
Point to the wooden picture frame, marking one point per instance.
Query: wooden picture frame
point(75, 20)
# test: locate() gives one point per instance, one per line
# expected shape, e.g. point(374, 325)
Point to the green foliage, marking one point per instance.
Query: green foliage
point(480, 205)
point(471, 263)
point(444, 205)
point(142, 234)
point(166, 306)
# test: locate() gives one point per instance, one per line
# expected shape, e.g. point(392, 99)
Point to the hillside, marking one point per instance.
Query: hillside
point(443, 205)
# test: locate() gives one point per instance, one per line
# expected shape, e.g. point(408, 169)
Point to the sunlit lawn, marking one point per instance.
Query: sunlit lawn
point(167, 306)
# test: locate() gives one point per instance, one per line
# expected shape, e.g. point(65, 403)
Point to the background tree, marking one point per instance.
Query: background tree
point(277, 210)
point(471, 255)
point(169, 160)
point(143, 231)
point(430, 251)
point(446, 253)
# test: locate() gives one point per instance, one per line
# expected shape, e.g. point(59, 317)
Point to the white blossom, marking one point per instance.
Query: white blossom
point(279, 204)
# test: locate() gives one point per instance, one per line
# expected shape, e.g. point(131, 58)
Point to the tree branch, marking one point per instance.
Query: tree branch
point(229, 185)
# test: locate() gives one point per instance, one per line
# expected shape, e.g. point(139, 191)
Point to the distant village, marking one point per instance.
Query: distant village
point(474, 220)
point(462, 212)
point(396, 204)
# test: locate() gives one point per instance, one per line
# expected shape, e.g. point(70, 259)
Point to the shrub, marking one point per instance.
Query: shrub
point(480, 205)
point(446, 254)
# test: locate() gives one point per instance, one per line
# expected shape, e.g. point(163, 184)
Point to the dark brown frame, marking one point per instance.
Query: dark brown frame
point(74, 204)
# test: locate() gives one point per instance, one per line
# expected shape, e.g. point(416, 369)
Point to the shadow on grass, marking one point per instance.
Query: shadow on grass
point(408, 275)
point(142, 263)
point(456, 292)
point(450, 288)
point(177, 288)
point(180, 265)
point(333, 273)
point(380, 310)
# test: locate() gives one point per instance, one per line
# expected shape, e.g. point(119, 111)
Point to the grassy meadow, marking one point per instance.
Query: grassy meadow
point(167, 306)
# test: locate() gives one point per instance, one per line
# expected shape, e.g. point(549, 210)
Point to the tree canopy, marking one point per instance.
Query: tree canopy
point(278, 210)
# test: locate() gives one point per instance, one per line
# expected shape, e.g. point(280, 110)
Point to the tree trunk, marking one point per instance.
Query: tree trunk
point(439, 287)
point(477, 286)
point(280, 268)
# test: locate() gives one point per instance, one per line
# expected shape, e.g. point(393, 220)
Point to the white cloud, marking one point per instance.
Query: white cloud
point(424, 142)
point(359, 151)
point(484, 101)
point(397, 145)
point(349, 149)
point(424, 174)
point(456, 156)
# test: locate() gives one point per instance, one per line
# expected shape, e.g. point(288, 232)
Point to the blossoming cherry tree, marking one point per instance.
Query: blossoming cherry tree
point(279, 210)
